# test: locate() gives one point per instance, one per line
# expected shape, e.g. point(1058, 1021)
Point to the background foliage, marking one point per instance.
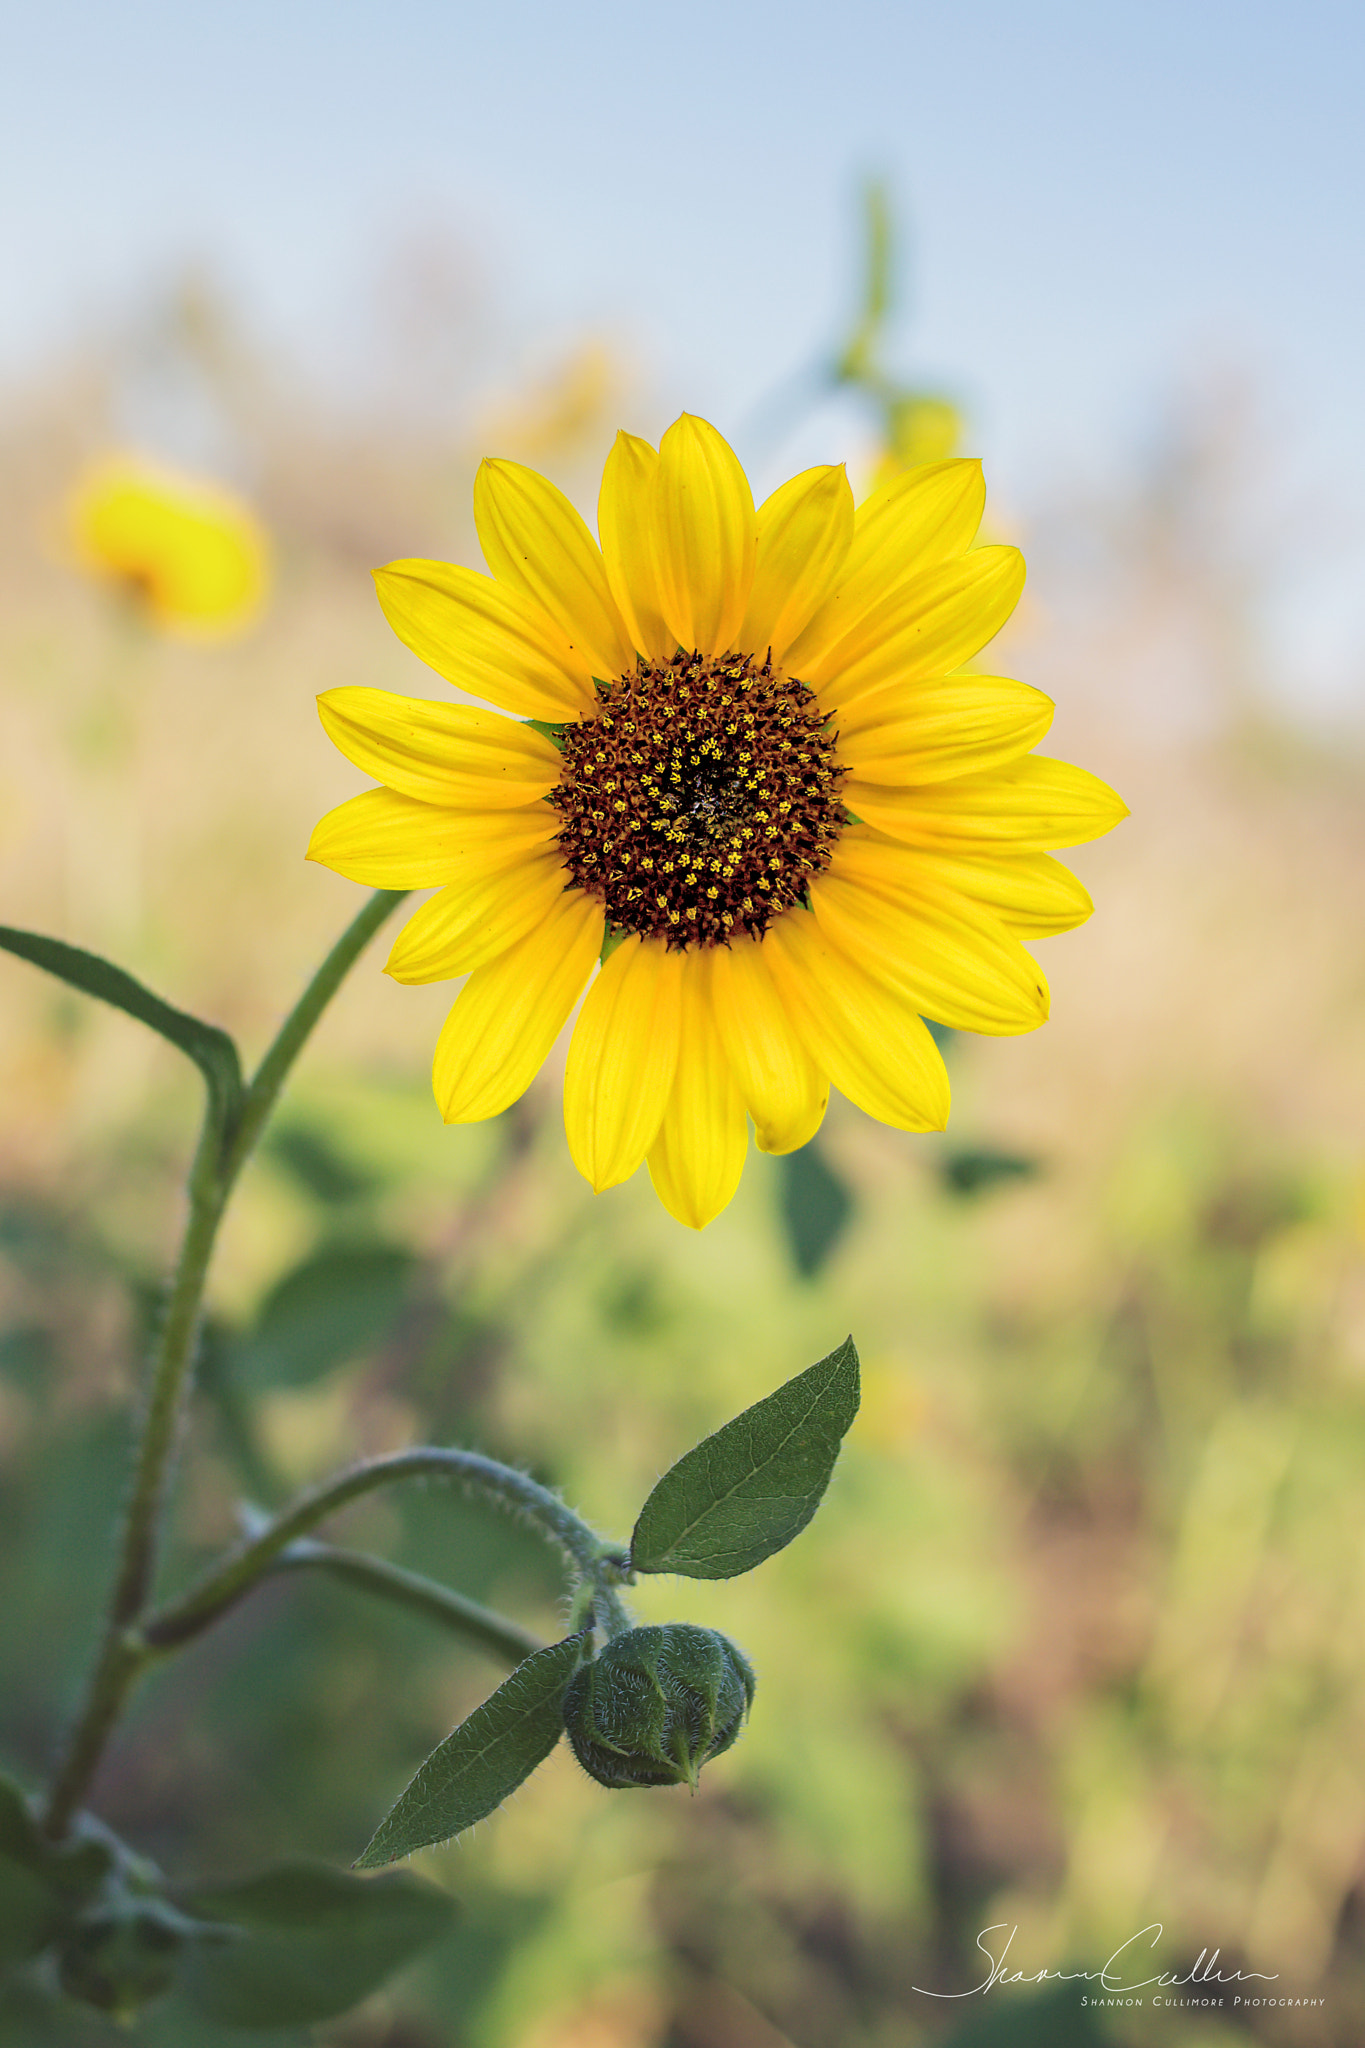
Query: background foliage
point(1076, 1642)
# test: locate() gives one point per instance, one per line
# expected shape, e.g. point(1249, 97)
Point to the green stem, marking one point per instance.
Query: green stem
point(117, 1667)
point(119, 1658)
point(219, 1159)
point(270, 1076)
point(505, 1639)
point(170, 1366)
point(597, 1604)
point(230, 1580)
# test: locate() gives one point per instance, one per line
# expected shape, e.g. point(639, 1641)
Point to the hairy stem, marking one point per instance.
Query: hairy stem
point(492, 1631)
point(218, 1161)
point(230, 1580)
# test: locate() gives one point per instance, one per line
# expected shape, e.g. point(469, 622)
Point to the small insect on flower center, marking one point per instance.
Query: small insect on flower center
point(701, 799)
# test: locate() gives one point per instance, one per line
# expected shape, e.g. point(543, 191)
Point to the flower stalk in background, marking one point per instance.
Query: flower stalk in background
point(188, 555)
point(751, 780)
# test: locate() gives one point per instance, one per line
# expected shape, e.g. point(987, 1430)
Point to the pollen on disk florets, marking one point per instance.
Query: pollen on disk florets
point(701, 799)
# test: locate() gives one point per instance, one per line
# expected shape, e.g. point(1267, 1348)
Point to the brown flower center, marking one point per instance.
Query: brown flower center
point(701, 799)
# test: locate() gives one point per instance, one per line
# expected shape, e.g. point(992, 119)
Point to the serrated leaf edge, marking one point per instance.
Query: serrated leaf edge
point(835, 1360)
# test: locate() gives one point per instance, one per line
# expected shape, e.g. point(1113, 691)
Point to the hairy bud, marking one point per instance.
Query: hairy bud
point(122, 1952)
point(658, 1704)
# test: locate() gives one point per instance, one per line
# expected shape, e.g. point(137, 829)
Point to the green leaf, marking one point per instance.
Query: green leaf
point(212, 1051)
point(19, 1836)
point(313, 1941)
point(815, 1207)
point(484, 1761)
point(30, 1911)
point(329, 1309)
point(317, 1164)
point(967, 1171)
point(746, 1491)
point(1054, 2019)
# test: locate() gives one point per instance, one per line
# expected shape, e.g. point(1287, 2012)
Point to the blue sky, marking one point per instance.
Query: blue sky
point(1105, 199)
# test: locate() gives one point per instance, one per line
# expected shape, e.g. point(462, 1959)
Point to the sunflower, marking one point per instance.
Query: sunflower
point(745, 772)
point(189, 555)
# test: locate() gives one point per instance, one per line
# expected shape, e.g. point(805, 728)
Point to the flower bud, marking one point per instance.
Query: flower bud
point(658, 1704)
point(122, 1952)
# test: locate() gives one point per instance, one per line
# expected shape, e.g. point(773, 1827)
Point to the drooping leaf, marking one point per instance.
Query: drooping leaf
point(745, 1492)
point(815, 1207)
point(312, 1942)
point(470, 1774)
point(212, 1051)
point(326, 1311)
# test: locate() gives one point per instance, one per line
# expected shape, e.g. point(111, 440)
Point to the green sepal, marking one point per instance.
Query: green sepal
point(304, 1942)
point(744, 1492)
point(482, 1763)
point(212, 1051)
point(553, 733)
point(658, 1704)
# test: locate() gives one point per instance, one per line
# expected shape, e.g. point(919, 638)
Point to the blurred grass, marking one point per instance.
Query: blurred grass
point(1075, 1644)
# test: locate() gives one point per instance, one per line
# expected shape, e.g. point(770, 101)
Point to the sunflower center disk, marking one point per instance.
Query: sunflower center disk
point(701, 799)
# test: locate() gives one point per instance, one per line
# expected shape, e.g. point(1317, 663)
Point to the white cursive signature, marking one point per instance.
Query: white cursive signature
point(1203, 1971)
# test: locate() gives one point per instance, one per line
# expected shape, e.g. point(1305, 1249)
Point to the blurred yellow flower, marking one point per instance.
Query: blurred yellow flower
point(750, 783)
point(190, 555)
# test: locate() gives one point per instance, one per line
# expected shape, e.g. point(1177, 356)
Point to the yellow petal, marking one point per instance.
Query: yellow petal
point(477, 918)
point(953, 960)
point(439, 753)
point(782, 1088)
point(1032, 894)
point(509, 1013)
point(393, 842)
point(952, 725)
point(804, 530)
point(864, 1035)
point(486, 638)
point(927, 626)
point(625, 521)
point(915, 521)
point(622, 1059)
point(534, 541)
point(696, 1160)
point(1027, 807)
point(704, 534)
